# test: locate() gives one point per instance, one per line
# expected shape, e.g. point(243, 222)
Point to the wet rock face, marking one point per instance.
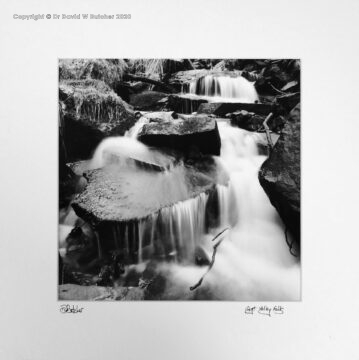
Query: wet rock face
point(92, 111)
point(147, 214)
point(193, 134)
point(184, 104)
point(280, 174)
point(116, 194)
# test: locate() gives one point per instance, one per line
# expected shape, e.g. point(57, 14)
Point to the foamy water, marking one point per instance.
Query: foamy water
point(253, 261)
point(224, 88)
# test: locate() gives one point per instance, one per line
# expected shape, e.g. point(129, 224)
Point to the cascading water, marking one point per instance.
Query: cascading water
point(253, 261)
point(134, 131)
point(224, 88)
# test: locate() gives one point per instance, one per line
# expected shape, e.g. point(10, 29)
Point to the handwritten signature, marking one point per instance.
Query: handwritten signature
point(264, 310)
point(70, 309)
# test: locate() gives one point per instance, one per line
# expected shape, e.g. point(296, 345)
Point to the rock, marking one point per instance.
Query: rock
point(79, 167)
point(148, 100)
point(252, 122)
point(182, 79)
point(247, 120)
point(78, 292)
point(134, 210)
point(81, 249)
point(171, 66)
point(81, 293)
point(250, 75)
point(280, 174)
point(115, 195)
point(200, 133)
point(201, 257)
point(285, 103)
point(93, 111)
point(262, 142)
point(279, 74)
point(129, 294)
point(221, 109)
point(185, 104)
point(154, 282)
point(161, 116)
point(124, 90)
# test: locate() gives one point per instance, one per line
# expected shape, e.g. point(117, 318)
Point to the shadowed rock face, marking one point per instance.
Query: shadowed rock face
point(280, 174)
point(195, 133)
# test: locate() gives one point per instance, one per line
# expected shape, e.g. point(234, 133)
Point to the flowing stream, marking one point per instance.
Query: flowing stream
point(253, 261)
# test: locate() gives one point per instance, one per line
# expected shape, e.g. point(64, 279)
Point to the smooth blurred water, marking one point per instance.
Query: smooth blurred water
point(224, 88)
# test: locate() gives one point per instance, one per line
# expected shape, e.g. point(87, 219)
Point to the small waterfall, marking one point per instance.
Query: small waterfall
point(224, 88)
point(253, 262)
point(134, 131)
point(170, 234)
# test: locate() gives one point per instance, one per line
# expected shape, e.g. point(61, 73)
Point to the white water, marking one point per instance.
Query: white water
point(253, 261)
point(177, 228)
point(134, 131)
point(122, 148)
point(224, 88)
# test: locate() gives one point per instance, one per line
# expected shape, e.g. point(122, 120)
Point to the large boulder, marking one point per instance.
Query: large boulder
point(280, 174)
point(143, 213)
point(193, 134)
point(92, 111)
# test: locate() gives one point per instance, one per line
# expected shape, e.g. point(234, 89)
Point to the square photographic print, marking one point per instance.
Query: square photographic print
point(179, 179)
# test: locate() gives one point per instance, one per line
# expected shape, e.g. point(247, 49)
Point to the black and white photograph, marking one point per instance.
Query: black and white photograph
point(179, 179)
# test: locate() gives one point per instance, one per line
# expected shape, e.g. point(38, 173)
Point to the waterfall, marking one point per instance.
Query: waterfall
point(253, 261)
point(176, 230)
point(134, 131)
point(224, 88)
point(173, 233)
